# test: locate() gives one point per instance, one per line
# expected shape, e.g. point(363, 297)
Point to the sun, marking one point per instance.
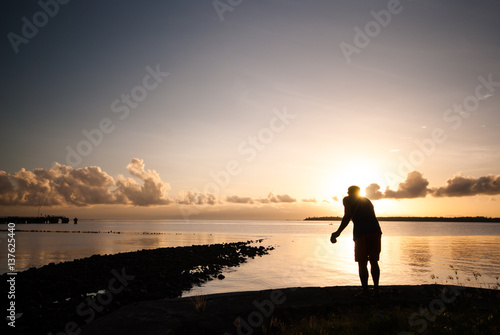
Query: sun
point(360, 173)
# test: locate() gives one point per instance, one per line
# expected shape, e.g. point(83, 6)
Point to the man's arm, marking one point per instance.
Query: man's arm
point(343, 224)
point(345, 220)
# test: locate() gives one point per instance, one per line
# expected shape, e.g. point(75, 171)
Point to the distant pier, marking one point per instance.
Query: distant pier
point(34, 219)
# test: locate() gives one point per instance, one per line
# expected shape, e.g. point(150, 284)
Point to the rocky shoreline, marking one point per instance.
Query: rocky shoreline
point(55, 298)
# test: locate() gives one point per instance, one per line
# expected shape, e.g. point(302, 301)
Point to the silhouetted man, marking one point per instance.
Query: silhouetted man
point(366, 233)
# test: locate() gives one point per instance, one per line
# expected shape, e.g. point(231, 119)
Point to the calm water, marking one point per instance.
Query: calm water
point(412, 252)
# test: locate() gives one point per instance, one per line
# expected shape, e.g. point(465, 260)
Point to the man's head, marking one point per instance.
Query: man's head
point(353, 191)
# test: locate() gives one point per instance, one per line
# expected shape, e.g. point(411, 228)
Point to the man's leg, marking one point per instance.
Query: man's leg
point(375, 270)
point(363, 275)
point(374, 248)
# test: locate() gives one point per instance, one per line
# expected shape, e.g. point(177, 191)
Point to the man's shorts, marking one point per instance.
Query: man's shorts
point(367, 247)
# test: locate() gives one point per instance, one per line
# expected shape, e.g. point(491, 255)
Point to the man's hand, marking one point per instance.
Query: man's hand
point(334, 236)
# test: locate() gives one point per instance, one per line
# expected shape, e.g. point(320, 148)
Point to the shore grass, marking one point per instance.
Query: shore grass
point(475, 313)
point(199, 302)
point(454, 278)
point(360, 322)
point(391, 320)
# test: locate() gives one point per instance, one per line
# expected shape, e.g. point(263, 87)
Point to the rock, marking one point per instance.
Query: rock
point(124, 278)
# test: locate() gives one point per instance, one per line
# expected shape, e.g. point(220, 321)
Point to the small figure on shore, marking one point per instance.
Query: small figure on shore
point(75, 220)
point(366, 234)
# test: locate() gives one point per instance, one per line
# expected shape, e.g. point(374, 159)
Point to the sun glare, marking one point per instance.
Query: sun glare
point(360, 173)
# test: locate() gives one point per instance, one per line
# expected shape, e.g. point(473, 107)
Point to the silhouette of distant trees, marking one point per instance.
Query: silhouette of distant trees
point(414, 218)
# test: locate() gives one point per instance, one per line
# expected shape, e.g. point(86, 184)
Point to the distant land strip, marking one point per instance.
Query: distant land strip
point(95, 232)
point(414, 218)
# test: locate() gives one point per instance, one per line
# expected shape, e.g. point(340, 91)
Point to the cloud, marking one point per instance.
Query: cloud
point(415, 186)
point(487, 96)
point(60, 185)
point(285, 198)
point(372, 192)
point(239, 200)
point(63, 185)
point(193, 198)
point(7, 191)
point(271, 198)
point(460, 186)
point(151, 192)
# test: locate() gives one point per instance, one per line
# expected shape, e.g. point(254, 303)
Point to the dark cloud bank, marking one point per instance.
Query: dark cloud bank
point(66, 186)
point(416, 186)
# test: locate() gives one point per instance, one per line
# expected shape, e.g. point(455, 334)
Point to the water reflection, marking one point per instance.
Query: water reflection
point(408, 256)
point(460, 260)
point(472, 256)
point(415, 252)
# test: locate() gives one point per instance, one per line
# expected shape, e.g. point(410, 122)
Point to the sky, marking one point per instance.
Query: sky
point(249, 109)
